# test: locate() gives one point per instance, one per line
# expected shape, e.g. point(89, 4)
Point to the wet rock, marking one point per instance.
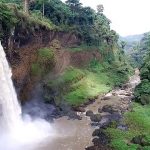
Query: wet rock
point(96, 141)
point(125, 86)
point(79, 109)
point(95, 117)
point(128, 94)
point(123, 127)
point(107, 120)
point(89, 113)
point(114, 93)
point(100, 110)
point(95, 124)
point(92, 148)
point(106, 98)
point(102, 139)
point(109, 108)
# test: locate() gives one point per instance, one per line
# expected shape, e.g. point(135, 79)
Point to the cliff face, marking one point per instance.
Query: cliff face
point(21, 50)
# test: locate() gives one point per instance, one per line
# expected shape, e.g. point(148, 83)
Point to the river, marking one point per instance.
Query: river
point(77, 134)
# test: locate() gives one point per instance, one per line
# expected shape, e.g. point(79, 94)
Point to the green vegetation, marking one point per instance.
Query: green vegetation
point(142, 91)
point(83, 47)
point(13, 18)
point(138, 122)
point(137, 50)
point(44, 62)
point(78, 86)
point(92, 28)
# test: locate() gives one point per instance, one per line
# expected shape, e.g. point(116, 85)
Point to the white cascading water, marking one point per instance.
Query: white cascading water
point(15, 132)
point(10, 110)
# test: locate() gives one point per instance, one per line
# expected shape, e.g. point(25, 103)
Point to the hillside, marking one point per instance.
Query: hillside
point(132, 38)
point(88, 54)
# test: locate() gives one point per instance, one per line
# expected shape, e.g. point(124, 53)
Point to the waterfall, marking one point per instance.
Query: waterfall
point(16, 132)
point(10, 109)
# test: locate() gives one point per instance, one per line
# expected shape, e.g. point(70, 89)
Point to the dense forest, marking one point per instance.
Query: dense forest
point(137, 50)
point(93, 27)
point(142, 91)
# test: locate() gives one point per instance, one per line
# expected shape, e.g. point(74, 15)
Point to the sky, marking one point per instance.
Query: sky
point(128, 17)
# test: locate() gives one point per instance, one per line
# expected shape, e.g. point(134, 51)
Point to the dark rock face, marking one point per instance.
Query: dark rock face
point(95, 117)
point(100, 141)
point(100, 110)
point(89, 113)
point(102, 137)
point(79, 109)
point(109, 108)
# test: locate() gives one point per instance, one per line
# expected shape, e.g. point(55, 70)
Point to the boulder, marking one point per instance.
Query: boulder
point(95, 117)
point(97, 132)
point(89, 113)
point(79, 109)
point(102, 139)
point(100, 110)
point(96, 141)
point(114, 93)
point(128, 94)
point(109, 108)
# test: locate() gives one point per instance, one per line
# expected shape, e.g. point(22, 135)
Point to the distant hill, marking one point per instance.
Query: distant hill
point(132, 38)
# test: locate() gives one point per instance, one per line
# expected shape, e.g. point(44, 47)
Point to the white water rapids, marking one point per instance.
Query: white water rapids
point(16, 133)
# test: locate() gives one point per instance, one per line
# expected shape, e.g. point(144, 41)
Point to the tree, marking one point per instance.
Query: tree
point(123, 44)
point(100, 8)
point(26, 6)
point(75, 5)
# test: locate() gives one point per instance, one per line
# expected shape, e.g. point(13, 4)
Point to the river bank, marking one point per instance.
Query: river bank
point(87, 132)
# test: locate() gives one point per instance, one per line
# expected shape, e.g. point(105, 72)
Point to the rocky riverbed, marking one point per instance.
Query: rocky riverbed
point(87, 132)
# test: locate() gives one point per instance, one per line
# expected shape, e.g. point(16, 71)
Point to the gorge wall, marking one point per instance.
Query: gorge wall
point(22, 50)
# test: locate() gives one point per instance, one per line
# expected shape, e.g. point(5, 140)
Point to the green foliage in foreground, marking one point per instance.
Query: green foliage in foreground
point(77, 86)
point(138, 122)
point(43, 63)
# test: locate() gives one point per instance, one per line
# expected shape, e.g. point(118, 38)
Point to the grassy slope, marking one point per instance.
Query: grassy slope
point(77, 86)
point(138, 122)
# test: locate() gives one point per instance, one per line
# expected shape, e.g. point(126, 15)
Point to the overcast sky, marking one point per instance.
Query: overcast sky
point(128, 16)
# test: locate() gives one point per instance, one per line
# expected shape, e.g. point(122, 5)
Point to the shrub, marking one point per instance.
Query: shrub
point(44, 62)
